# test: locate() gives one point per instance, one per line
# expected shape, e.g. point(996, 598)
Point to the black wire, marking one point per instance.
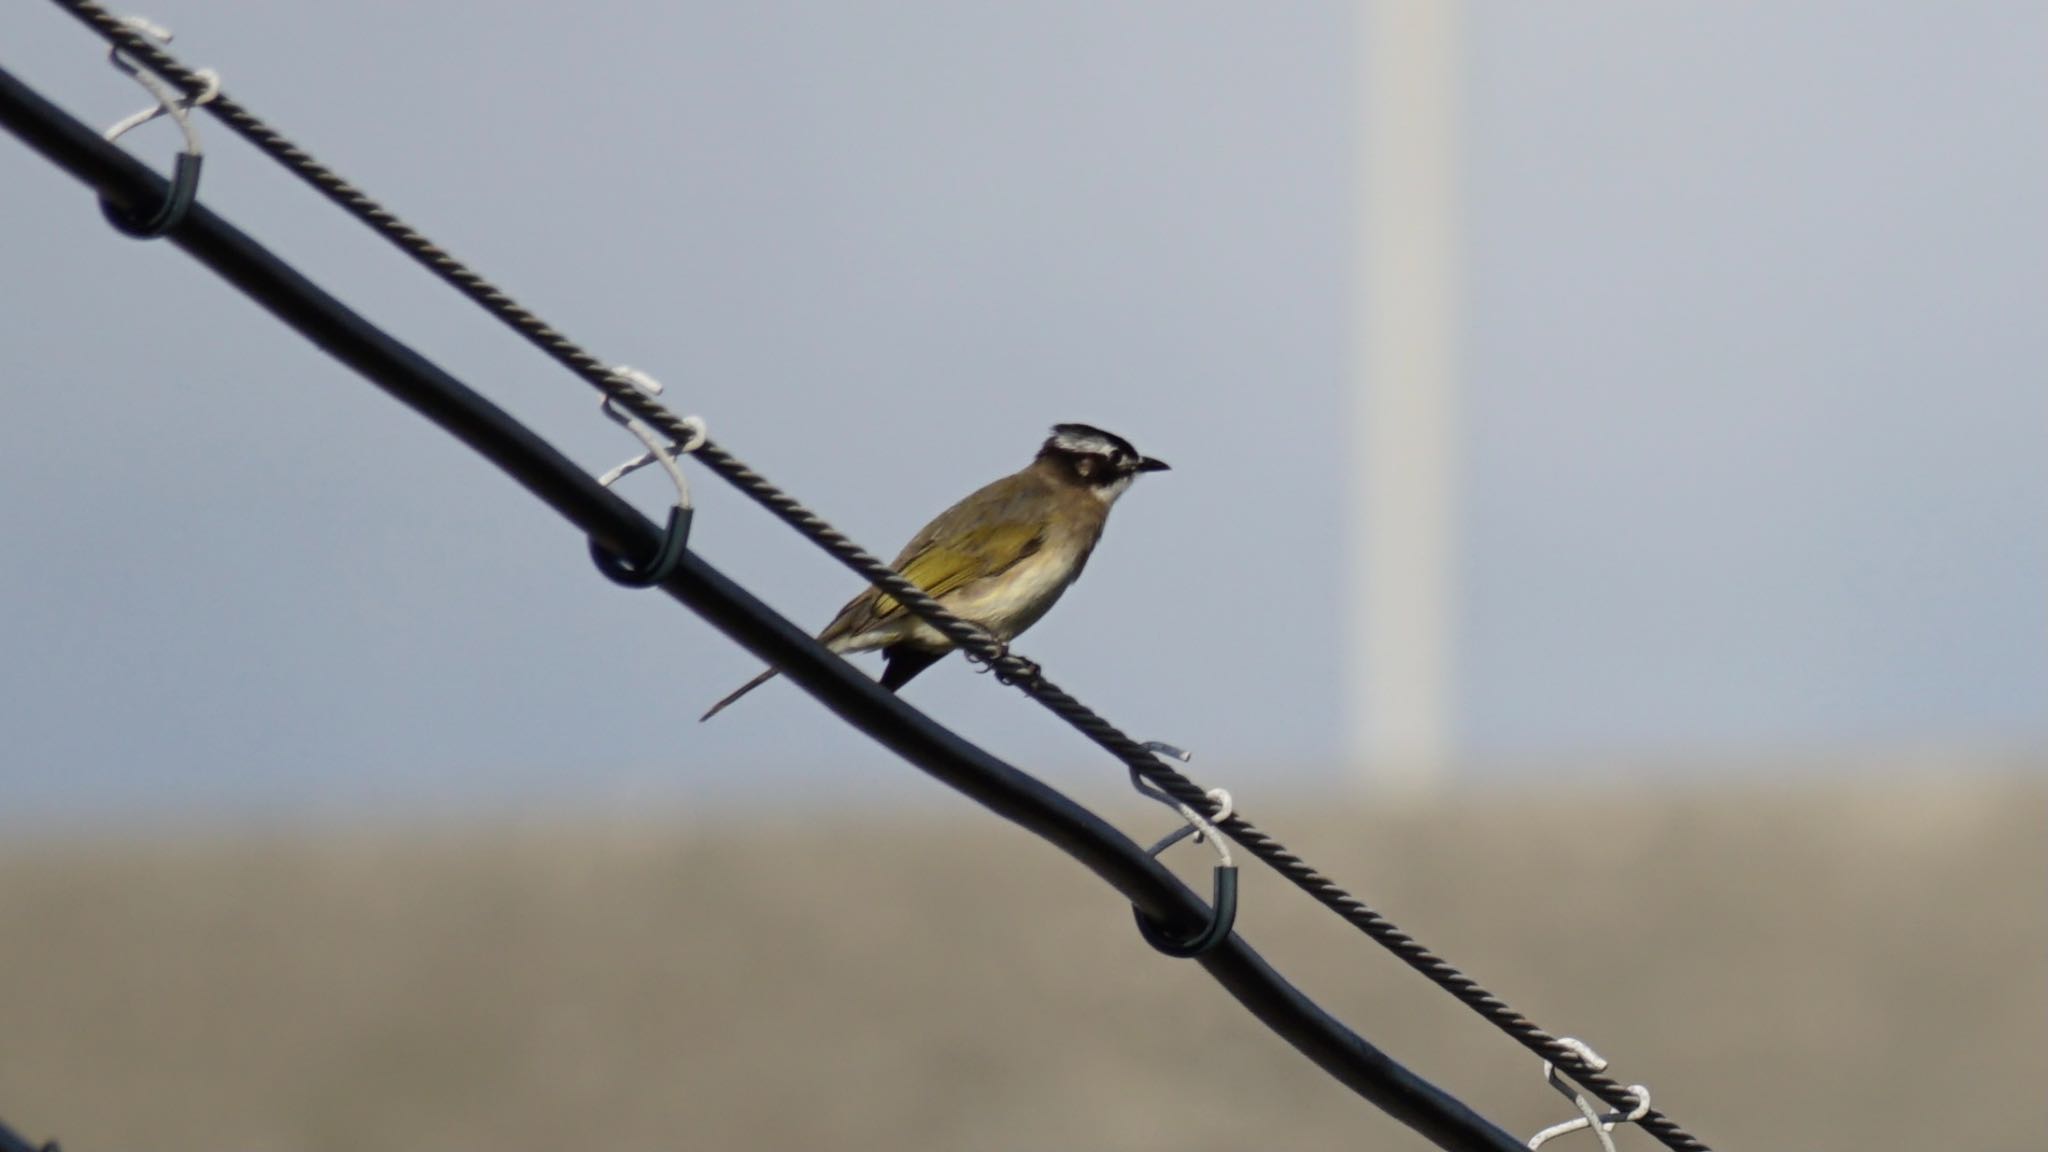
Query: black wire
point(976, 642)
point(601, 515)
point(12, 1141)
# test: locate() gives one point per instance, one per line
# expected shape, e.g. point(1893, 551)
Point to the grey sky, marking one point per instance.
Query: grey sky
point(1755, 387)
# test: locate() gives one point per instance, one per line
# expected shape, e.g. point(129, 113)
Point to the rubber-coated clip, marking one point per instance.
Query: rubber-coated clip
point(169, 214)
point(674, 542)
point(1222, 917)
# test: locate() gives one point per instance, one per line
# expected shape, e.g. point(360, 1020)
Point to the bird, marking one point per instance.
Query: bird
point(999, 558)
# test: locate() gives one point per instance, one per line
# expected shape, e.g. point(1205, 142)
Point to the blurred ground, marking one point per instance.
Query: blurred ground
point(1811, 966)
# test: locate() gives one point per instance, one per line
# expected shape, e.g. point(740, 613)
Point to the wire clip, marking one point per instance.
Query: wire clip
point(171, 101)
point(676, 539)
point(1589, 1113)
point(1223, 897)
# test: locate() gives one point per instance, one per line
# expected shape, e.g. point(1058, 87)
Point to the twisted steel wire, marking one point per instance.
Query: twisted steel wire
point(976, 642)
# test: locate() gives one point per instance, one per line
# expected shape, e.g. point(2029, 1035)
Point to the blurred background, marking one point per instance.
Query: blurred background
point(1606, 532)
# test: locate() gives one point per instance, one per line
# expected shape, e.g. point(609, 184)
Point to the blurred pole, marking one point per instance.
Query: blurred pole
point(1404, 564)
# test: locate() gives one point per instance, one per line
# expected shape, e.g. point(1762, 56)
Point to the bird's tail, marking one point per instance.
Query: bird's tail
point(749, 686)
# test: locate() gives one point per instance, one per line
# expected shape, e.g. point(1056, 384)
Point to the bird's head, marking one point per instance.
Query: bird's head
point(1102, 462)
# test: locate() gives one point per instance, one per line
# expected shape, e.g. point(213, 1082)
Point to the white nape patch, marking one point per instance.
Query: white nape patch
point(1107, 493)
point(1084, 444)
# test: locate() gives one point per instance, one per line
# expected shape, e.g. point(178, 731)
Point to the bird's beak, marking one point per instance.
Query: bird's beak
point(1148, 464)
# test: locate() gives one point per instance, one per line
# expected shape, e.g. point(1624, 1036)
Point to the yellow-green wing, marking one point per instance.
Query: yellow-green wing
point(985, 534)
point(983, 552)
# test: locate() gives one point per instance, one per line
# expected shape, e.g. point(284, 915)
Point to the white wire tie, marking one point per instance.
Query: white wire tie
point(171, 100)
point(175, 102)
point(1589, 1117)
point(1223, 900)
point(1200, 825)
point(659, 449)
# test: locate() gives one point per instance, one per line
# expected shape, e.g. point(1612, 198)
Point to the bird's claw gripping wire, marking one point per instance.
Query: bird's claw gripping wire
point(1589, 1116)
point(675, 539)
point(177, 104)
point(1026, 673)
point(1223, 897)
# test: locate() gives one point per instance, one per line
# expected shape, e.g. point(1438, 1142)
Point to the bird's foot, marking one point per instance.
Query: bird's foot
point(1027, 673)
